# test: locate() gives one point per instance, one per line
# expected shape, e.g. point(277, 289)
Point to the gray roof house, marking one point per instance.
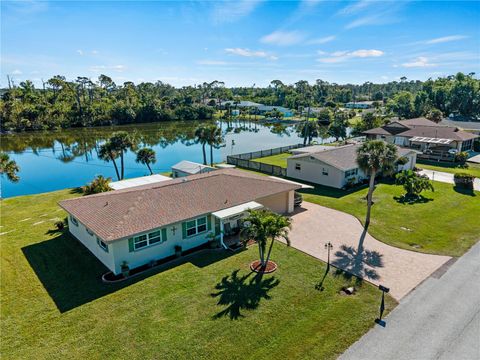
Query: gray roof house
point(336, 167)
point(185, 168)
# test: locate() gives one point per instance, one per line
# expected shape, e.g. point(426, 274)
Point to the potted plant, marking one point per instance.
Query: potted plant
point(178, 250)
point(212, 240)
point(125, 269)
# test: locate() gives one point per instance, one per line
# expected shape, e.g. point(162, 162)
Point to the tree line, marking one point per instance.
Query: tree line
point(61, 103)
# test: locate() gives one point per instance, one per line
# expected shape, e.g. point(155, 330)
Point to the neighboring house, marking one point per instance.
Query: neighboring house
point(266, 108)
point(145, 223)
point(359, 105)
point(241, 104)
point(311, 149)
point(185, 168)
point(143, 180)
point(423, 135)
point(337, 166)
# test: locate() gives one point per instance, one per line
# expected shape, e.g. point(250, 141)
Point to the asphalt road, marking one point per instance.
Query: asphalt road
point(438, 320)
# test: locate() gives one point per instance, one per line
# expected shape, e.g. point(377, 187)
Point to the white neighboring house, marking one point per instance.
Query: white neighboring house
point(185, 168)
point(337, 166)
point(145, 223)
point(142, 180)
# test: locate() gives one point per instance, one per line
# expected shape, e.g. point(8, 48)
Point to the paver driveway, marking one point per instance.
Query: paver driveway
point(357, 251)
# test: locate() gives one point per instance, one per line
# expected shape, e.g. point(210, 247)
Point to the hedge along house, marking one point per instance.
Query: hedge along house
point(337, 166)
point(145, 223)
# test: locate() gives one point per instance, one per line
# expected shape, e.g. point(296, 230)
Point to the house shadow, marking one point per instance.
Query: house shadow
point(72, 275)
point(239, 293)
point(330, 191)
point(411, 200)
point(464, 191)
point(360, 262)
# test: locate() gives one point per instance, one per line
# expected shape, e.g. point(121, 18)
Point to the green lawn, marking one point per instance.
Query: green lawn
point(473, 169)
point(278, 160)
point(54, 305)
point(446, 223)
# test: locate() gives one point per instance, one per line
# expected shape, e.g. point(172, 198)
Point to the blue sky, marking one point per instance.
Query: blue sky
point(239, 42)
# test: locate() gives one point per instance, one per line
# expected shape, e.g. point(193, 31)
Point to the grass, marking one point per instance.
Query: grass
point(473, 169)
point(444, 222)
point(54, 304)
point(278, 160)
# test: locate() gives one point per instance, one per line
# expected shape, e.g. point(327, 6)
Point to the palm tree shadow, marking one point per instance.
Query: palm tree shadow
point(241, 293)
point(359, 262)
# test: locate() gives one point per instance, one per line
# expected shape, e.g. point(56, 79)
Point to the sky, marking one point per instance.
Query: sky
point(242, 42)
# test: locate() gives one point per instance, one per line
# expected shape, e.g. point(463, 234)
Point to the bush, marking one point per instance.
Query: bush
point(461, 157)
point(59, 225)
point(98, 185)
point(464, 180)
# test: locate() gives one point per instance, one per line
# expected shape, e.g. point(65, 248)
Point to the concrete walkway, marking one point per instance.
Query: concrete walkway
point(446, 178)
point(357, 251)
point(475, 159)
point(439, 320)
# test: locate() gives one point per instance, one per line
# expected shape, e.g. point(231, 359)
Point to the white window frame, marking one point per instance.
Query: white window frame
point(351, 172)
point(148, 239)
point(89, 232)
point(102, 244)
point(73, 220)
point(325, 171)
point(196, 226)
point(298, 166)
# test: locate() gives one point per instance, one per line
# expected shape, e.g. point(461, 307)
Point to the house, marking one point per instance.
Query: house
point(144, 223)
point(424, 135)
point(336, 167)
point(267, 108)
point(143, 180)
point(185, 168)
point(359, 105)
point(310, 149)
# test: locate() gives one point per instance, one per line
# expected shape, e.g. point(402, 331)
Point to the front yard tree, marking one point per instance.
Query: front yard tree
point(413, 183)
point(121, 142)
point(108, 153)
point(264, 226)
point(9, 167)
point(374, 157)
point(146, 156)
point(202, 136)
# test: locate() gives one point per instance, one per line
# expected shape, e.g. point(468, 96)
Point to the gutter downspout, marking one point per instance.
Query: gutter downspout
point(221, 234)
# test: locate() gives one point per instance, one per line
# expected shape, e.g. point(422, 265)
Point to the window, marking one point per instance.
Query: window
point(141, 241)
point(73, 220)
point(324, 171)
point(351, 172)
point(90, 232)
point(467, 145)
point(102, 244)
point(197, 226)
point(298, 166)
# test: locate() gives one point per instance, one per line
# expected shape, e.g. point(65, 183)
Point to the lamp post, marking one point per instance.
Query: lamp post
point(328, 247)
point(384, 290)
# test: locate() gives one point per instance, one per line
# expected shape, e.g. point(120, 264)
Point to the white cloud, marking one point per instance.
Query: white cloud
point(420, 61)
point(16, 72)
point(381, 13)
point(231, 11)
point(446, 39)
point(250, 53)
point(100, 68)
point(322, 40)
point(283, 38)
point(355, 7)
point(340, 56)
point(80, 52)
point(94, 52)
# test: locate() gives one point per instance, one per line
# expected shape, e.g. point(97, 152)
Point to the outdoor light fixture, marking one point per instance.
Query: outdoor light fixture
point(328, 247)
point(384, 290)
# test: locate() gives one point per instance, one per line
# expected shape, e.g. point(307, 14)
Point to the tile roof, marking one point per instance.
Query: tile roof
point(343, 157)
point(442, 132)
point(122, 213)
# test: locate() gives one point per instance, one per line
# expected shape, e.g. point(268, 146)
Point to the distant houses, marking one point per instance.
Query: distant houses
point(359, 105)
point(185, 168)
point(262, 109)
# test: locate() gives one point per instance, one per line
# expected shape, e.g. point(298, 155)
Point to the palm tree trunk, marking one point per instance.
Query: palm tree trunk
point(371, 187)
point(122, 164)
point(261, 251)
point(204, 154)
point(116, 168)
point(148, 165)
point(211, 155)
point(269, 252)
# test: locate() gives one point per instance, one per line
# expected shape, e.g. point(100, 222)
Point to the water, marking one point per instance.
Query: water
point(65, 159)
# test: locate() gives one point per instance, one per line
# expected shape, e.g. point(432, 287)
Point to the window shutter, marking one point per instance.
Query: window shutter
point(164, 234)
point(184, 230)
point(130, 245)
point(209, 222)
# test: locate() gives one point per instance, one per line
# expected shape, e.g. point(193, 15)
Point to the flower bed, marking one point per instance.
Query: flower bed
point(269, 268)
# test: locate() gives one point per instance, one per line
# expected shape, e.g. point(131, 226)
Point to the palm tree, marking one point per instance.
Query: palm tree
point(146, 156)
point(107, 153)
point(263, 226)
point(121, 142)
point(215, 139)
point(9, 167)
point(374, 157)
point(201, 136)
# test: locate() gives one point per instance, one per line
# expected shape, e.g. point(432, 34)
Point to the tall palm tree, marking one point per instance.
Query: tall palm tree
point(108, 153)
point(121, 142)
point(9, 167)
point(215, 139)
point(146, 156)
point(374, 157)
point(201, 136)
point(264, 226)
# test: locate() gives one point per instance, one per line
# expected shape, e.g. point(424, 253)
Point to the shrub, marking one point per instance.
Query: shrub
point(464, 180)
point(413, 183)
point(461, 157)
point(98, 185)
point(59, 225)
